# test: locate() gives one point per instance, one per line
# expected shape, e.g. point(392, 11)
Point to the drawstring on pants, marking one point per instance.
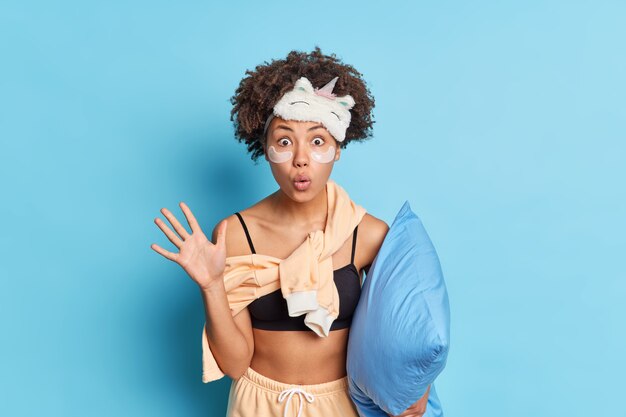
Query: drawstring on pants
point(288, 393)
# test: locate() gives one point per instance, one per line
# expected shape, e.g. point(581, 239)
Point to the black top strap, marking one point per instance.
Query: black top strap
point(354, 243)
point(245, 229)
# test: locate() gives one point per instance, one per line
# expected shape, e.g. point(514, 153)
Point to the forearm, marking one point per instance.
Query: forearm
point(227, 343)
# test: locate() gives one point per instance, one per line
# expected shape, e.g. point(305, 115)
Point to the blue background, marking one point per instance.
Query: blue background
point(501, 122)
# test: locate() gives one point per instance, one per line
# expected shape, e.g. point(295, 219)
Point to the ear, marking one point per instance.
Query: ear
point(337, 153)
point(346, 101)
point(303, 84)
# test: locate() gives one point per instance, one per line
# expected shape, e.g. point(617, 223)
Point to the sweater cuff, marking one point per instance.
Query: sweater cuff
point(319, 321)
point(301, 302)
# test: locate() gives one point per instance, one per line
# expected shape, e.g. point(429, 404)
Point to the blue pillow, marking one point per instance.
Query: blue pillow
point(400, 332)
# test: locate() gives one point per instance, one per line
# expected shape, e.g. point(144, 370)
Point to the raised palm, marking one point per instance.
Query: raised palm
point(203, 261)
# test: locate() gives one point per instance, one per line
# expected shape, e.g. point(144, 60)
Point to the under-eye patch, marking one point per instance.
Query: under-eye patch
point(324, 157)
point(278, 157)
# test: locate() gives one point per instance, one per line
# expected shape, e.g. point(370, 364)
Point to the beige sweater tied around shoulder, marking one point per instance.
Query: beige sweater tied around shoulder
point(305, 277)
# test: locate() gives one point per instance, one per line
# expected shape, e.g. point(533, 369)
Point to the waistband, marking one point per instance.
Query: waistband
point(271, 385)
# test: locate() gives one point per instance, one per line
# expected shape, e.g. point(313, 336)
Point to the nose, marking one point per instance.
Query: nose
point(301, 157)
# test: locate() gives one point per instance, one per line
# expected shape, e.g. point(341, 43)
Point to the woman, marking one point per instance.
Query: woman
point(271, 355)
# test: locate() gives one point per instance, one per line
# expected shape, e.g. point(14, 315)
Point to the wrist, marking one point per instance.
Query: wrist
point(215, 286)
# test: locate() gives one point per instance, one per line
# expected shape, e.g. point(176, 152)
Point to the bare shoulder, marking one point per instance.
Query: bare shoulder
point(375, 228)
point(236, 243)
point(236, 240)
point(372, 232)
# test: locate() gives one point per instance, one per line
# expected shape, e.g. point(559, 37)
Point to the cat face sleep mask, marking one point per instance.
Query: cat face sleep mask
point(307, 104)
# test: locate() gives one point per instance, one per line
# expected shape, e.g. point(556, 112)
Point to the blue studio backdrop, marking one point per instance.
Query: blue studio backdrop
point(502, 123)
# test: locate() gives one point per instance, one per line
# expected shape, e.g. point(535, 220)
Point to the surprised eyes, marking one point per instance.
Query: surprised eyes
point(317, 141)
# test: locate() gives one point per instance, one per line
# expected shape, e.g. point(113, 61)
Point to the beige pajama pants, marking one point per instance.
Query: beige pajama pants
point(256, 395)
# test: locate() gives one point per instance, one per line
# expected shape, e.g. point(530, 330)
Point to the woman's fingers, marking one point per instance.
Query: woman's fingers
point(174, 221)
point(169, 255)
point(191, 219)
point(168, 232)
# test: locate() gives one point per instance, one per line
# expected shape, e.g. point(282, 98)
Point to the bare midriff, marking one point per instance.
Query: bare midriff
point(300, 357)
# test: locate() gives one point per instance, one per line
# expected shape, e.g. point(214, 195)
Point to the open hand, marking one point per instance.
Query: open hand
point(201, 259)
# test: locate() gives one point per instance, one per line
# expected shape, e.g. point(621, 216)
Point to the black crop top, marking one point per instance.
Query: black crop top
point(270, 312)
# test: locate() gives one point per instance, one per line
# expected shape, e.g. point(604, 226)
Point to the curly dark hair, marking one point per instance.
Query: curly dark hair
point(259, 91)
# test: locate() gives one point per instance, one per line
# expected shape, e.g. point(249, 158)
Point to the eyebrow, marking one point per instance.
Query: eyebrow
point(290, 129)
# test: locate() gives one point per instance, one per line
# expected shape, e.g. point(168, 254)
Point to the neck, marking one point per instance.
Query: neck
point(303, 214)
